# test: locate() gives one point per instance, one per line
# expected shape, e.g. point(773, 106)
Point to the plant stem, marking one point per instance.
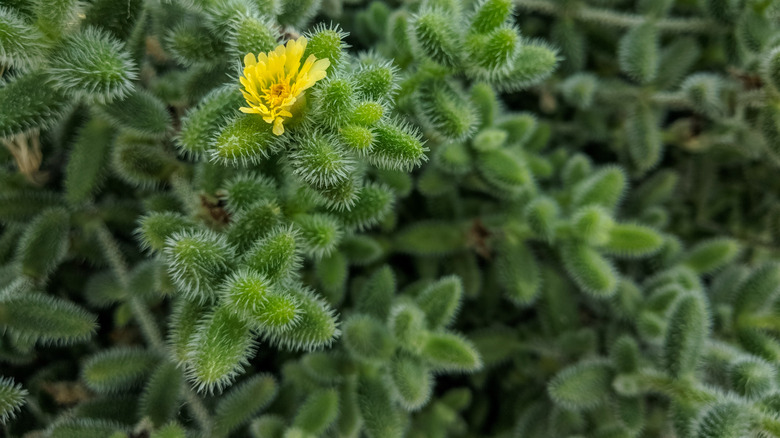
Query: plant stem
point(145, 320)
point(677, 388)
point(183, 190)
point(671, 99)
point(118, 265)
point(619, 19)
point(752, 98)
point(199, 411)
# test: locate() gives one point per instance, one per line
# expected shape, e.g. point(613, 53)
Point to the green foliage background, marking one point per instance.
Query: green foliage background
point(493, 218)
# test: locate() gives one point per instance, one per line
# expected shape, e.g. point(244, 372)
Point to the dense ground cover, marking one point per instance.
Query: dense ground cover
point(301, 218)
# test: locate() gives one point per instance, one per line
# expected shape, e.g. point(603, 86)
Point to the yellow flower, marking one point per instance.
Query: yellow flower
point(273, 82)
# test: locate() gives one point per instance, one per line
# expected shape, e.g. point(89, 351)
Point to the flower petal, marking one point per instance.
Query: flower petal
point(278, 127)
point(250, 60)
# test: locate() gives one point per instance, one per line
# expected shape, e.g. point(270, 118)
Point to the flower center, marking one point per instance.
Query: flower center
point(278, 93)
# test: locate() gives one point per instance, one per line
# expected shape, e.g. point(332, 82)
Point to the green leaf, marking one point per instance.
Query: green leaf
point(316, 328)
point(569, 36)
point(85, 428)
point(46, 319)
point(358, 139)
point(376, 79)
point(193, 43)
point(336, 100)
point(492, 54)
point(705, 92)
point(142, 162)
point(625, 355)
point(381, 419)
point(453, 158)
point(521, 128)
point(361, 249)
point(268, 426)
point(638, 52)
point(320, 161)
point(297, 13)
point(22, 206)
point(254, 298)
point(325, 41)
point(251, 34)
point(485, 98)
point(770, 68)
point(727, 419)
point(140, 113)
point(577, 168)
point(407, 324)
point(34, 102)
point(445, 109)
point(45, 243)
point(155, 228)
point(318, 412)
point(197, 260)
point(87, 161)
point(202, 123)
point(103, 14)
point(593, 273)
point(579, 89)
point(367, 338)
point(711, 255)
point(219, 350)
point(450, 352)
point(518, 273)
point(440, 301)
point(533, 63)
point(490, 14)
point(752, 377)
point(117, 369)
point(244, 140)
point(687, 330)
point(495, 345)
point(436, 35)
point(412, 382)
point(657, 189)
point(397, 146)
point(604, 188)
point(21, 45)
point(332, 272)
point(372, 203)
point(677, 59)
point(182, 326)
point(54, 16)
point(542, 216)
point(162, 394)
point(582, 386)
point(592, 225)
point(633, 240)
point(244, 401)
point(319, 233)
point(246, 190)
point(429, 238)
point(12, 398)
point(506, 170)
point(93, 65)
point(376, 295)
point(276, 256)
point(758, 290)
point(170, 430)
